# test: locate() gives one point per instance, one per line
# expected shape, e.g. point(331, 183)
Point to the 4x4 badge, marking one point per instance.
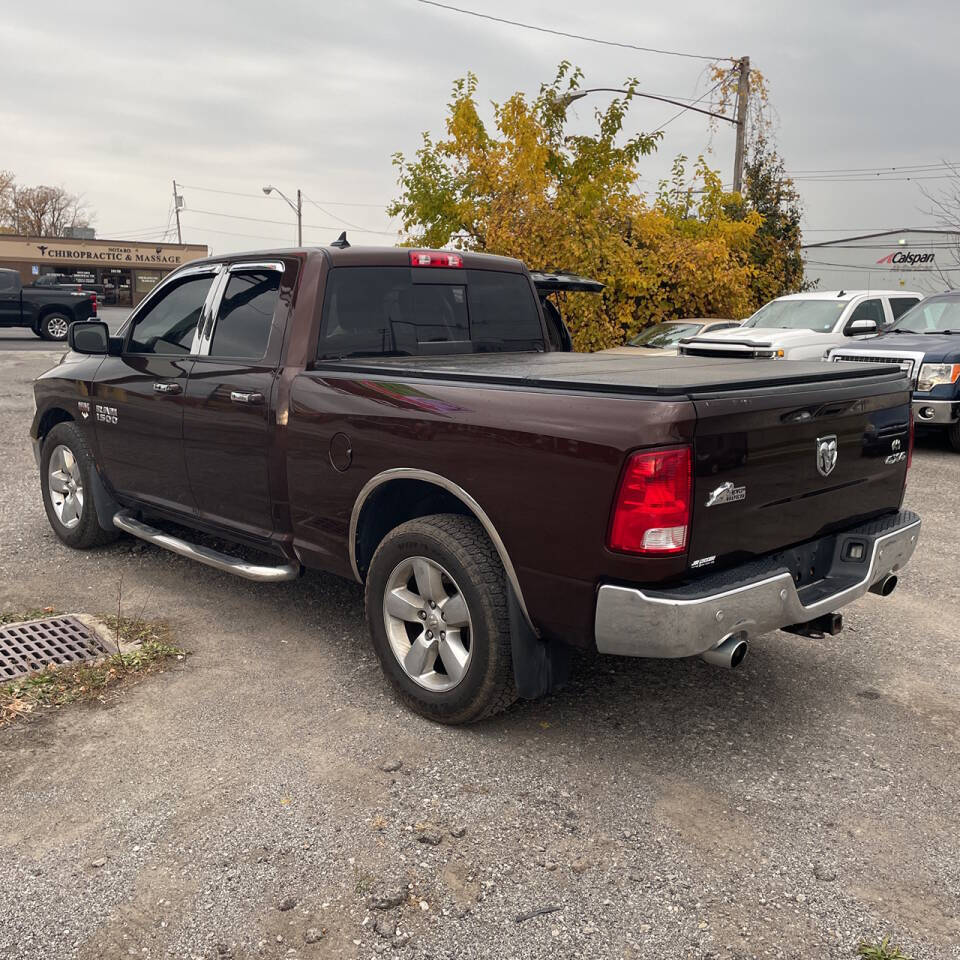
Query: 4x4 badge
point(726, 493)
point(827, 454)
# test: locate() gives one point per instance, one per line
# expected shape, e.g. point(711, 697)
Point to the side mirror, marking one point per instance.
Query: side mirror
point(863, 326)
point(89, 336)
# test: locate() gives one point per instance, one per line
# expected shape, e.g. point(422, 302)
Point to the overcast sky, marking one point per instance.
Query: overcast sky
point(115, 100)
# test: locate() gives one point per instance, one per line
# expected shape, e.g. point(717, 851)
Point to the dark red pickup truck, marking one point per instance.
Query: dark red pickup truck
point(409, 418)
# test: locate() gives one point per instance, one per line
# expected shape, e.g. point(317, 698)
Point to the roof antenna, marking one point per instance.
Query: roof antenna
point(342, 242)
point(840, 294)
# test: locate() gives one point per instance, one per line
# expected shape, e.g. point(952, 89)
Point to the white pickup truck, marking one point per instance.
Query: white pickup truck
point(804, 326)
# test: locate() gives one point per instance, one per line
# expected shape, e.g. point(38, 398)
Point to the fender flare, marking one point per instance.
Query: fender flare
point(412, 473)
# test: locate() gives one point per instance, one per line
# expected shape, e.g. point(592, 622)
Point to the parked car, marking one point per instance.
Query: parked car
point(664, 338)
point(924, 342)
point(402, 417)
point(48, 313)
point(64, 281)
point(804, 326)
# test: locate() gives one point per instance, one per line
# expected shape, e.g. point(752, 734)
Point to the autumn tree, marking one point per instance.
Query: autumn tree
point(40, 211)
point(532, 189)
point(775, 249)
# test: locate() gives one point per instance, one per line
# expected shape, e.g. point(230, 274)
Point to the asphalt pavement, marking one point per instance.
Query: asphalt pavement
point(269, 797)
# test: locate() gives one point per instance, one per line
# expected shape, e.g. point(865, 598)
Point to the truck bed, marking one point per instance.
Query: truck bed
point(661, 376)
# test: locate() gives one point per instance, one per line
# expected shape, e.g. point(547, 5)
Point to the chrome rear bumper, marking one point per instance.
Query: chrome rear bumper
point(636, 622)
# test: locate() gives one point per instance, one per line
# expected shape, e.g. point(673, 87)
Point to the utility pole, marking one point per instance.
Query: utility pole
point(743, 96)
point(299, 218)
point(177, 203)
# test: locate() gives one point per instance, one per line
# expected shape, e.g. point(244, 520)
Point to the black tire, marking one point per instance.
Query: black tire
point(87, 532)
point(953, 435)
point(60, 323)
point(460, 545)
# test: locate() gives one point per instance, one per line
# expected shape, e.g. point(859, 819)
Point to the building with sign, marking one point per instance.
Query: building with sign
point(123, 273)
point(927, 261)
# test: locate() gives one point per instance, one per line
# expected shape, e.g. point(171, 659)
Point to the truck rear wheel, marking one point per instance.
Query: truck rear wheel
point(54, 326)
point(66, 475)
point(436, 601)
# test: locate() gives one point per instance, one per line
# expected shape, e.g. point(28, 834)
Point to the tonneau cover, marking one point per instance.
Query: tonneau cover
point(612, 373)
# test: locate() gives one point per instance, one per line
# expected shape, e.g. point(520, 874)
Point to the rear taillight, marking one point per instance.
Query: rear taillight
point(651, 514)
point(431, 258)
point(93, 300)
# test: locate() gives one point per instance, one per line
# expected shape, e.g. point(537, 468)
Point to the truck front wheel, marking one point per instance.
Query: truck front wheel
point(66, 479)
point(54, 327)
point(436, 602)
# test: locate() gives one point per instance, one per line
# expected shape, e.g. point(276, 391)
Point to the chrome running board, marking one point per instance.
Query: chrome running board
point(125, 521)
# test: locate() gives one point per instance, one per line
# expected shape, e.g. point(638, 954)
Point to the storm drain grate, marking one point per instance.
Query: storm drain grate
point(28, 647)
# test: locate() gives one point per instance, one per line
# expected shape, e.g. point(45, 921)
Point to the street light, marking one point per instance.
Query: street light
point(740, 121)
point(297, 208)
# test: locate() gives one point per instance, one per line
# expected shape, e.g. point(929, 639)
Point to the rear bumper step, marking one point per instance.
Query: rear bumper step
point(691, 620)
point(125, 520)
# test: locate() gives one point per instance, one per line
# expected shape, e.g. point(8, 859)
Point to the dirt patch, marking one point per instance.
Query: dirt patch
point(142, 648)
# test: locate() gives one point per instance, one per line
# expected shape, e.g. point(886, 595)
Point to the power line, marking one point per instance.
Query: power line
point(260, 196)
point(253, 236)
point(901, 268)
point(283, 223)
point(571, 36)
point(902, 168)
point(347, 223)
point(877, 178)
point(682, 112)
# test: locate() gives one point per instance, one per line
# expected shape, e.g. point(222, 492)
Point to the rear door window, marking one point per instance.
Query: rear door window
point(900, 305)
point(381, 311)
point(168, 324)
point(246, 314)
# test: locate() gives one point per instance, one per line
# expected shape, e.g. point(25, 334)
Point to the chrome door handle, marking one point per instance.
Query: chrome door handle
point(166, 388)
point(239, 396)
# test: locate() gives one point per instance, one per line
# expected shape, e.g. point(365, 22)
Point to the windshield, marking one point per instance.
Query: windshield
point(665, 334)
point(818, 315)
point(931, 316)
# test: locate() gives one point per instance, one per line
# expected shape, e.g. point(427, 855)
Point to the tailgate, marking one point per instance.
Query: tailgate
point(778, 467)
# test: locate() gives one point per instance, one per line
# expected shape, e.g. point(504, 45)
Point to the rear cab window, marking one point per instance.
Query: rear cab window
point(396, 311)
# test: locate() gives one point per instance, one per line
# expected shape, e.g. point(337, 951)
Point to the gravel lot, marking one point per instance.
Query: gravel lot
point(256, 799)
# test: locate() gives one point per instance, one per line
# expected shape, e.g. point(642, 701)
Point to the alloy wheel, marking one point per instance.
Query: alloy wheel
point(428, 624)
point(57, 328)
point(66, 486)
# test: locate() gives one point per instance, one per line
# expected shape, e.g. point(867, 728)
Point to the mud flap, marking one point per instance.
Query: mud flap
point(104, 502)
point(539, 666)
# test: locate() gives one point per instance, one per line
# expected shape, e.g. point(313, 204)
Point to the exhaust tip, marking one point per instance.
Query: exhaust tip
point(729, 653)
point(886, 586)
